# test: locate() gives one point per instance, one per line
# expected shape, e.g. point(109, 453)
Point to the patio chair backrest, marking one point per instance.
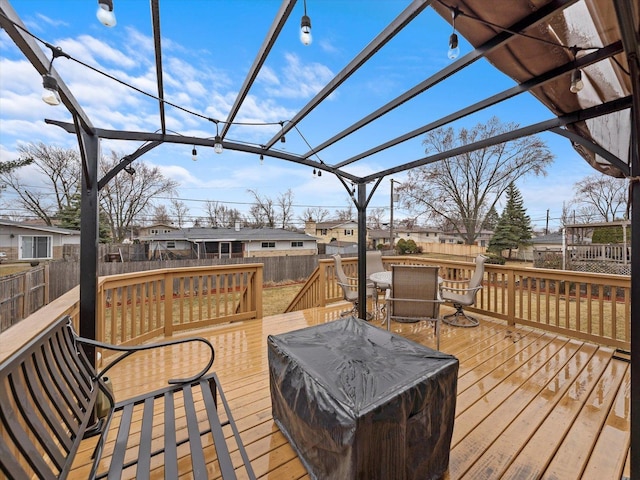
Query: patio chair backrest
point(415, 282)
point(374, 262)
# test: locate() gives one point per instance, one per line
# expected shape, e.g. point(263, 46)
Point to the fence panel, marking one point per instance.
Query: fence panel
point(21, 294)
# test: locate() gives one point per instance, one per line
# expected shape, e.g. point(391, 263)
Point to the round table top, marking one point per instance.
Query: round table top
point(381, 279)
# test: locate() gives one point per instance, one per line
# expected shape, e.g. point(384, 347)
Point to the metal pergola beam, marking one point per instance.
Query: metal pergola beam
point(155, 21)
point(376, 44)
point(498, 41)
point(276, 27)
point(581, 115)
point(597, 56)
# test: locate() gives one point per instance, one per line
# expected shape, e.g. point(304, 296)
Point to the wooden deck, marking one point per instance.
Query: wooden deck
point(530, 404)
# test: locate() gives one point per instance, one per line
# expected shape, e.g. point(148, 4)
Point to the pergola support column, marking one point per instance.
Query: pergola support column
point(89, 239)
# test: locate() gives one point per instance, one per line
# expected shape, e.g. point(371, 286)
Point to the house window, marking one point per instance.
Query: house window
point(171, 244)
point(268, 244)
point(154, 231)
point(296, 244)
point(348, 232)
point(323, 231)
point(35, 247)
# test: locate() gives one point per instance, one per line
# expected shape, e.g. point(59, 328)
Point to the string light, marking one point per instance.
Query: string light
point(50, 94)
point(282, 137)
point(454, 49)
point(261, 159)
point(105, 13)
point(305, 27)
point(194, 154)
point(217, 141)
point(576, 76)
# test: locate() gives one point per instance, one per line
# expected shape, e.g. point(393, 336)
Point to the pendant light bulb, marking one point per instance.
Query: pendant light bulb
point(105, 13)
point(454, 49)
point(194, 154)
point(576, 81)
point(217, 145)
point(305, 30)
point(261, 159)
point(50, 94)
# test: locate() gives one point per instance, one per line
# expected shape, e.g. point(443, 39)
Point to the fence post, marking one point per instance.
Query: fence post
point(46, 284)
point(24, 298)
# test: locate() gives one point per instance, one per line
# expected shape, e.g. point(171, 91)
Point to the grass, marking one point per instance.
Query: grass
point(7, 269)
point(275, 298)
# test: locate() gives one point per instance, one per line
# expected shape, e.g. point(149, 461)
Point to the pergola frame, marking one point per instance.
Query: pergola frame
point(89, 137)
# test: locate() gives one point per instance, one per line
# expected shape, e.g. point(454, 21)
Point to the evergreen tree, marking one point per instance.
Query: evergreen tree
point(514, 226)
point(492, 219)
point(69, 217)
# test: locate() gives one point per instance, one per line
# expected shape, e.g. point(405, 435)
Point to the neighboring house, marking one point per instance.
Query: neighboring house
point(339, 230)
point(200, 242)
point(22, 241)
point(482, 239)
point(342, 248)
point(423, 236)
point(156, 229)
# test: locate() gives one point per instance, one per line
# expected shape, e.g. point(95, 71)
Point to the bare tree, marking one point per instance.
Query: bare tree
point(602, 194)
point(127, 196)
point(463, 189)
point(59, 168)
point(218, 215)
point(285, 206)
point(262, 212)
point(161, 215)
point(314, 214)
point(180, 211)
point(375, 217)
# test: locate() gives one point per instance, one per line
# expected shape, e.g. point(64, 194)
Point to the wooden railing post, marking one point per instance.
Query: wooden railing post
point(511, 297)
point(257, 291)
point(168, 304)
point(323, 284)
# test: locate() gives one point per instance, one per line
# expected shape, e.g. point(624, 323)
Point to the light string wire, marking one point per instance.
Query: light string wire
point(57, 51)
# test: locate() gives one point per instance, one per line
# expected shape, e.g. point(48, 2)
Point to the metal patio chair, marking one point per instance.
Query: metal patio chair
point(414, 296)
point(349, 287)
point(463, 294)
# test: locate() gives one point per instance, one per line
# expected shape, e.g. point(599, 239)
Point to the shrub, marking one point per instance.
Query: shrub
point(494, 258)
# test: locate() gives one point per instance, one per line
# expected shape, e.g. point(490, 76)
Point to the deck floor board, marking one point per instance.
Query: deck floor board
point(530, 404)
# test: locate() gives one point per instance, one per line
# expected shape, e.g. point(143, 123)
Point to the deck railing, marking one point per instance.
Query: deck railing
point(134, 307)
point(592, 307)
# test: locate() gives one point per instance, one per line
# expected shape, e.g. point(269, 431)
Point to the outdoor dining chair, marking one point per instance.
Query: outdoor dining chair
point(349, 287)
point(414, 296)
point(462, 293)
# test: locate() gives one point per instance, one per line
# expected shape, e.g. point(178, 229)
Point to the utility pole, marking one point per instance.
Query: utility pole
point(394, 198)
point(546, 228)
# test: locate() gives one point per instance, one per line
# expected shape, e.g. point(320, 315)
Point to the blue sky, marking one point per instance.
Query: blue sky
point(208, 48)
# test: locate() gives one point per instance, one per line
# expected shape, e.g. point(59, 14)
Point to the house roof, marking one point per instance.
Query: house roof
point(39, 228)
point(203, 234)
point(330, 224)
point(551, 238)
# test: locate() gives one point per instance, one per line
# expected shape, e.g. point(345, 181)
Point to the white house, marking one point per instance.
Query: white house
point(22, 241)
point(200, 242)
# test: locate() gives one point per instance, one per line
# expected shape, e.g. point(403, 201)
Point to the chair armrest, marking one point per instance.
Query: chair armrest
point(370, 284)
point(460, 289)
point(131, 350)
point(417, 300)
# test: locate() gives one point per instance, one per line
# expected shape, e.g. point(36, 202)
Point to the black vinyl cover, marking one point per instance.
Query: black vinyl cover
point(356, 401)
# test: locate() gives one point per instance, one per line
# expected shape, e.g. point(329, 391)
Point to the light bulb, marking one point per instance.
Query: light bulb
point(454, 50)
point(50, 94)
point(305, 30)
point(261, 159)
point(576, 81)
point(194, 154)
point(105, 13)
point(217, 144)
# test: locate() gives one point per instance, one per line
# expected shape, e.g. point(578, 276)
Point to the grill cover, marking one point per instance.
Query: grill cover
point(356, 401)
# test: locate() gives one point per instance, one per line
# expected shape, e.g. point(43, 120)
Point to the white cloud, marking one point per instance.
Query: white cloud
point(300, 80)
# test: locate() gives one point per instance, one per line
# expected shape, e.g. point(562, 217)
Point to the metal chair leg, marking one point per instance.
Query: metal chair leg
point(460, 319)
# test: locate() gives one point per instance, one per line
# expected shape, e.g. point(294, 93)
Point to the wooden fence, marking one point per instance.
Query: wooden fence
point(65, 275)
point(592, 307)
point(23, 293)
